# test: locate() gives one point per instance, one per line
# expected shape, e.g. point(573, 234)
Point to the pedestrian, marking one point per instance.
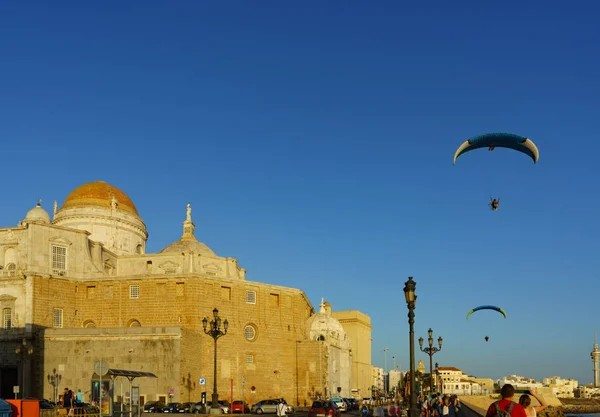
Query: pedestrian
point(525, 402)
point(68, 400)
point(79, 397)
point(506, 407)
point(281, 409)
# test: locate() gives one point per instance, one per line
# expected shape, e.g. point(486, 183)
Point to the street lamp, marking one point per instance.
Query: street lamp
point(430, 350)
point(385, 385)
point(215, 332)
point(411, 300)
point(437, 378)
point(23, 351)
point(54, 380)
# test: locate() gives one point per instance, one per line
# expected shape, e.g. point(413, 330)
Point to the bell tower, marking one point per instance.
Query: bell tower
point(596, 361)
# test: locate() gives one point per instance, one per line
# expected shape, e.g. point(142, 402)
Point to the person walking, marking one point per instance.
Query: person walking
point(281, 409)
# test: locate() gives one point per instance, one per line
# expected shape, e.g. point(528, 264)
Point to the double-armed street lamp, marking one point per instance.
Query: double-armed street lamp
point(215, 332)
point(24, 351)
point(54, 380)
point(430, 350)
point(411, 301)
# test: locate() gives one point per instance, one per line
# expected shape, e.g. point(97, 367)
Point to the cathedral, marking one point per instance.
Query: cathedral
point(77, 289)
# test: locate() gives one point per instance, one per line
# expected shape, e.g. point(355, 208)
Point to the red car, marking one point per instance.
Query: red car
point(239, 407)
point(324, 408)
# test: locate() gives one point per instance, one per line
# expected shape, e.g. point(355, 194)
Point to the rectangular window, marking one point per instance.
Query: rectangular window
point(134, 292)
point(274, 300)
point(250, 297)
point(180, 289)
point(226, 293)
point(58, 318)
point(7, 318)
point(91, 292)
point(59, 260)
point(249, 358)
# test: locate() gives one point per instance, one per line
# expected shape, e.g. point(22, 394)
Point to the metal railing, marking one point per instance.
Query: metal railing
point(64, 412)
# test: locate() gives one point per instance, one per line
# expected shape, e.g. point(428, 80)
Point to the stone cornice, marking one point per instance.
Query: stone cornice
point(110, 219)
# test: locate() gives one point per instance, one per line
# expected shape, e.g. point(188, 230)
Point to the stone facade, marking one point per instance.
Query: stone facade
point(358, 328)
point(81, 288)
point(325, 329)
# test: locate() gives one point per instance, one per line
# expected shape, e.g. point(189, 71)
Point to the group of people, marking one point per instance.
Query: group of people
point(439, 405)
point(449, 405)
point(70, 400)
point(506, 407)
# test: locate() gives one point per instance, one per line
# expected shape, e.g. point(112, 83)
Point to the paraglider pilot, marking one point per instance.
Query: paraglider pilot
point(494, 203)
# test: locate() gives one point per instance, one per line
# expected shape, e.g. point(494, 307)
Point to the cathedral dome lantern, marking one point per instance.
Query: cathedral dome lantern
point(108, 214)
point(188, 242)
point(37, 215)
point(324, 327)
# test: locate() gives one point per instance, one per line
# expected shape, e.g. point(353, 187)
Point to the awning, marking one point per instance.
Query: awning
point(125, 373)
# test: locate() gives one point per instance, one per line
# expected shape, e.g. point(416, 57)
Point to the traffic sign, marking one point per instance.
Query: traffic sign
point(101, 368)
point(202, 381)
point(172, 391)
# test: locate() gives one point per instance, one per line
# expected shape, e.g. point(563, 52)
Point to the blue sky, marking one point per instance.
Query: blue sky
point(314, 141)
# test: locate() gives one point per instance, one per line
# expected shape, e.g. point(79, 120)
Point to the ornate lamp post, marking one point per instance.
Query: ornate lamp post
point(411, 300)
point(438, 382)
point(215, 332)
point(24, 351)
point(430, 350)
point(54, 380)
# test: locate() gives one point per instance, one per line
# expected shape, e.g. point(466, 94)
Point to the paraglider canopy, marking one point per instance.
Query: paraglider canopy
point(498, 309)
point(499, 140)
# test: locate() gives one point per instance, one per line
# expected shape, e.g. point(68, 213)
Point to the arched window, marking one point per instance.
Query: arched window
point(321, 338)
point(250, 332)
point(89, 323)
point(11, 269)
point(134, 323)
point(139, 249)
point(7, 318)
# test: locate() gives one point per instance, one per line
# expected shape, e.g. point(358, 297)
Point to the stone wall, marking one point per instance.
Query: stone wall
point(73, 353)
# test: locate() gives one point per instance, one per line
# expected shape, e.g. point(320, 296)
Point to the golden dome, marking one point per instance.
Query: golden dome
point(99, 194)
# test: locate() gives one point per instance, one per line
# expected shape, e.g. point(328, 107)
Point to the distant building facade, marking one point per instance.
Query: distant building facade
point(562, 388)
point(520, 382)
point(358, 328)
point(454, 381)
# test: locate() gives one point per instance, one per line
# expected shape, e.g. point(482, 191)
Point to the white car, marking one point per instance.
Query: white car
point(341, 404)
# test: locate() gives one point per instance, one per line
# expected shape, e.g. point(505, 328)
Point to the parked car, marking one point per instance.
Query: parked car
point(324, 408)
point(200, 408)
point(197, 408)
point(239, 407)
point(352, 403)
point(172, 408)
point(154, 407)
point(270, 406)
point(341, 404)
point(186, 407)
